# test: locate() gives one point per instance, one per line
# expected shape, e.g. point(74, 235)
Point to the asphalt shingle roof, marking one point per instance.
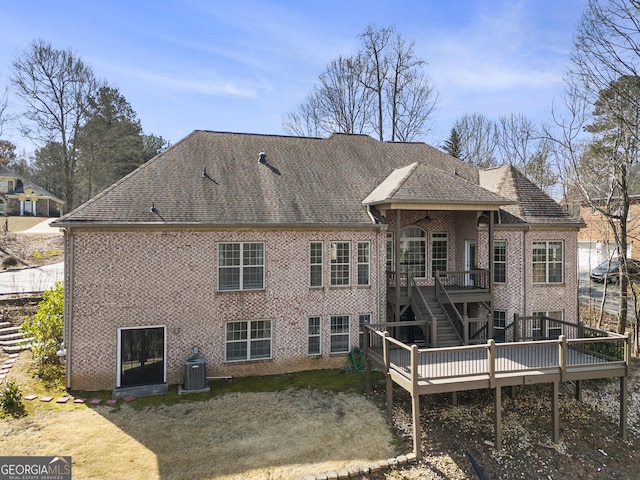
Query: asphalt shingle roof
point(532, 205)
point(305, 181)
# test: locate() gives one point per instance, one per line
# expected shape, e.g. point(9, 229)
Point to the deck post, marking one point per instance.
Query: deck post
point(623, 407)
point(367, 362)
point(516, 323)
point(387, 367)
point(562, 356)
point(555, 416)
point(498, 417)
point(415, 400)
point(491, 360)
point(578, 390)
point(465, 333)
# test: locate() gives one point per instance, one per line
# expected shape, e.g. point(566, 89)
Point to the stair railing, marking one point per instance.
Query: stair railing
point(431, 321)
point(457, 320)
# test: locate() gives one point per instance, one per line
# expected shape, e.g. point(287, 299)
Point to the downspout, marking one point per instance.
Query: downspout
point(68, 302)
point(524, 270)
point(396, 254)
point(381, 267)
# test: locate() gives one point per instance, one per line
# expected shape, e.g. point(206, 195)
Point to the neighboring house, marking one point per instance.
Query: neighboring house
point(18, 196)
point(266, 254)
point(596, 239)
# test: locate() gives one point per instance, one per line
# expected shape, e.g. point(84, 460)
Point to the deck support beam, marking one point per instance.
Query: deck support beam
point(623, 407)
point(415, 411)
point(389, 398)
point(498, 417)
point(555, 412)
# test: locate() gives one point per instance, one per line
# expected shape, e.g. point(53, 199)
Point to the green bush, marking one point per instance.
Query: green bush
point(11, 399)
point(45, 328)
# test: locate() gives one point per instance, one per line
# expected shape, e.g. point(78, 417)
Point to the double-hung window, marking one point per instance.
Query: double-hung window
point(548, 263)
point(315, 264)
point(547, 327)
point(240, 266)
point(313, 336)
point(499, 261)
point(340, 263)
point(248, 340)
point(339, 330)
point(439, 248)
point(499, 325)
point(363, 263)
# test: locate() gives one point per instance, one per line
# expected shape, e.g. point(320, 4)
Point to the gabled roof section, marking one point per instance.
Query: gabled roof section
point(419, 184)
point(26, 184)
point(531, 205)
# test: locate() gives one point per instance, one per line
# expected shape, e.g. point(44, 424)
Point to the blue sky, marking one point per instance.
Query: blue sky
point(242, 65)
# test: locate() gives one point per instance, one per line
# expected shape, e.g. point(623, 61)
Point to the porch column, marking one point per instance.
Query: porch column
point(491, 258)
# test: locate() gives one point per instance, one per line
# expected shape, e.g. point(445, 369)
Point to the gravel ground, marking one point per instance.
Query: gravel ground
point(457, 440)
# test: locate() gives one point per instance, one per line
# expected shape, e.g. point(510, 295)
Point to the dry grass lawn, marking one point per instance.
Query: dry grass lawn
point(237, 435)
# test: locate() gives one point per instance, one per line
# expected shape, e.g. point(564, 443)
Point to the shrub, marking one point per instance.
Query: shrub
point(11, 399)
point(9, 261)
point(46, 327)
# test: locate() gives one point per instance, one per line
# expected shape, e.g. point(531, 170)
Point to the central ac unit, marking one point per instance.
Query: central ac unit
point(195, 373)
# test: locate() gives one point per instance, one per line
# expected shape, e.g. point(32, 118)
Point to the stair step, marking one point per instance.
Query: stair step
point(7, 330)
point(14, 341)
point(16, 348)
point(5, 324)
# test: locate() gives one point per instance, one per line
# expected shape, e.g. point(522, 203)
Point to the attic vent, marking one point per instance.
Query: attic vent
point(262, 158)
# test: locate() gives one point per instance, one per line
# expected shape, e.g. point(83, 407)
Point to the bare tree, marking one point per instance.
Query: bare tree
point(478, 137)
point(55, 85)
point(381, 88)
point(599, 138)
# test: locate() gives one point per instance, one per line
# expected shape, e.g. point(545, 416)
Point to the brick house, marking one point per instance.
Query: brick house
point(596, 239)
point(266, 254)
point(19, 197)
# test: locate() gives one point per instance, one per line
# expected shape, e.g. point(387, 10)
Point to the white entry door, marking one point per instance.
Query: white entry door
point(469, 261)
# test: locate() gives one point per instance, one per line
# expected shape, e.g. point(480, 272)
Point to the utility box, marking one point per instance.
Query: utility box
point(195, 373)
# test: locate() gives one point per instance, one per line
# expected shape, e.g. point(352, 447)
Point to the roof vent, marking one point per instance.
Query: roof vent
point(262, 158)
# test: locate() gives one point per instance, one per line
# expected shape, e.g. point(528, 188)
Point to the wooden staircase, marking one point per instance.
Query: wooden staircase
point(12, 340)
point(447, 335)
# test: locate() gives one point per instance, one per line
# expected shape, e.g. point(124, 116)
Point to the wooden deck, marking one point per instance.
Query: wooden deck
point(495, 365)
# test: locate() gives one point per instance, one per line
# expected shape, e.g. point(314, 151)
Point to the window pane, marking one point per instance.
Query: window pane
point(229, 254)
point(500, 261)
point(252, 278)
point(340, 260)
point(339, 334)
point(236, 351)
point(313, 333)
point(229, 278)
point(363, 263)
point(315, 264)
point(439, 247)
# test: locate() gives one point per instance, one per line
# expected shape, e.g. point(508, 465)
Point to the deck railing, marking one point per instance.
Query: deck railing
point(492, 358)
point(431, 325)
point(462, 280)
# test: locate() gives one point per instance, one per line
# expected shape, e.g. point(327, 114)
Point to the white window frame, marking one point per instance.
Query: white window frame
point(413, 247)
point(547, 262)
point(550, 332)
point(314, 331)
point(438, 237)
point(248, 339)
point(500, 324)
point(364, 263)
point(241, 266)
point(501, 261)
point(338, 334)
point(316, 264)
point(340, 267)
